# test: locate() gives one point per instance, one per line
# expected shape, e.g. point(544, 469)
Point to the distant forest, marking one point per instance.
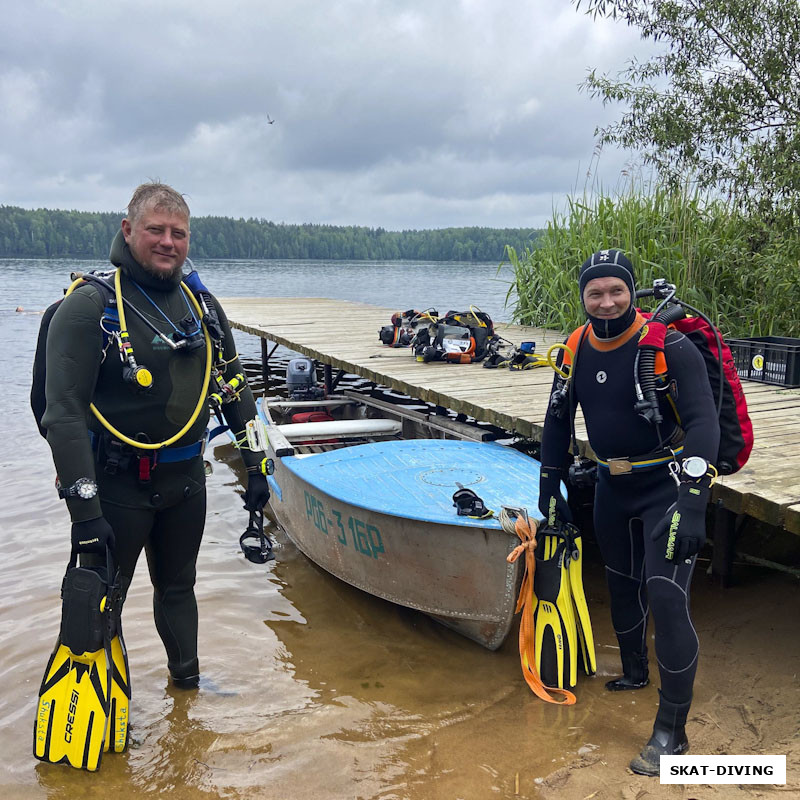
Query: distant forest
point(81, 234)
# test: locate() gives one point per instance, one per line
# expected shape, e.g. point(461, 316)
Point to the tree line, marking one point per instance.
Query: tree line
point(46, 233)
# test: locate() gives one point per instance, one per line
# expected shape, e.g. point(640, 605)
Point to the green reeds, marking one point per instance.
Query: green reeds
point(740, 270)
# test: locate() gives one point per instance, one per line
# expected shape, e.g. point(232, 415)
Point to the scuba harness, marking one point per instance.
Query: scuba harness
point(582, 472)
point(199, 328)
point(458, 337)
point(138, 375)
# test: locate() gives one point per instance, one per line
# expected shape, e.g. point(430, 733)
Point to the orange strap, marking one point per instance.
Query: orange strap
point(550, 694)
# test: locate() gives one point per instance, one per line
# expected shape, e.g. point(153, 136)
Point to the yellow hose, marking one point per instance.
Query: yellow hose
point(551, 361)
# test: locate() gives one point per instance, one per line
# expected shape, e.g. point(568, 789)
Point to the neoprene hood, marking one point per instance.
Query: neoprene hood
point(609, 264)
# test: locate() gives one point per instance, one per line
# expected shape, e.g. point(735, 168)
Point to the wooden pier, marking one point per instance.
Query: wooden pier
point(344, 335)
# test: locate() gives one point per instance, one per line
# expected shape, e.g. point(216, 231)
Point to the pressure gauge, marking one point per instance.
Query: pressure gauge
point(695, 467)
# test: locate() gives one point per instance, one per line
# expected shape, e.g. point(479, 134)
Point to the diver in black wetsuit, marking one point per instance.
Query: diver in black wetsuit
point(137, 499)
point(648, 527)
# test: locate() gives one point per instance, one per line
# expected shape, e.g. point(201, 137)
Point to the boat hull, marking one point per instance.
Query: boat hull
point(387, 536)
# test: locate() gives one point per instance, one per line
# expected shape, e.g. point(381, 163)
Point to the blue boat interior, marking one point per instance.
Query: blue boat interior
point(416, 478)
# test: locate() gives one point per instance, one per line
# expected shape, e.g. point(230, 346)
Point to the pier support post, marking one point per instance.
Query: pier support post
point(265, 366)
point(265, 371)
point(726, 530)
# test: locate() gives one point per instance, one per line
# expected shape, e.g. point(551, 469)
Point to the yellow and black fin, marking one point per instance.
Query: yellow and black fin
point(580, 608)
point(72, 714)
point(555, 645)
point(120, 698)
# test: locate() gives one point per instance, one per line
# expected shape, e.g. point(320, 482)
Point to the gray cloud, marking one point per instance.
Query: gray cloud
point(398, 114)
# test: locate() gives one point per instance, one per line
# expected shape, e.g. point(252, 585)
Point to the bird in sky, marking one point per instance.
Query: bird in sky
point(270, 121)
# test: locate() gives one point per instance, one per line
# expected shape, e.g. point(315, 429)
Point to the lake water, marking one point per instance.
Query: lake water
point(310, 688)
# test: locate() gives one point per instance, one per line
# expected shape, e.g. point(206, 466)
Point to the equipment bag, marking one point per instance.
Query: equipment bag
point(458, 337)
point(402, 330)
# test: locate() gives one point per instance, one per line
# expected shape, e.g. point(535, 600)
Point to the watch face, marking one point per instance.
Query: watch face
point(86, 488)
point(695, 467)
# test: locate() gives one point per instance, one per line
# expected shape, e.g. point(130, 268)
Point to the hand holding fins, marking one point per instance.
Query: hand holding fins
point(83, 699)
point(560, 626)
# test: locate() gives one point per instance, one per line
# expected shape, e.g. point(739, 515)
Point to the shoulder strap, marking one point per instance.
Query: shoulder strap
point(38, 400)
point(573, 343)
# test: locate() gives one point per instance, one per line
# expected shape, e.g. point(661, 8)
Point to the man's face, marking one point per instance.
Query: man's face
point(606, 298)
point(159, 241)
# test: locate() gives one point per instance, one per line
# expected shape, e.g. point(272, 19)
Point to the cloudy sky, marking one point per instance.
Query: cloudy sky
point(392, 113)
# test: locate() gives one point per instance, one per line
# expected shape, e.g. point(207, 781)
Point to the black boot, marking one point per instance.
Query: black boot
point(634, 673)
point(668, 739)
point(185, 675)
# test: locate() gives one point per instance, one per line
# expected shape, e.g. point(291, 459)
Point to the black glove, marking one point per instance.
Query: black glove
point(92, 536)
point(552, 505)
point(684, 524)
point(256, 495)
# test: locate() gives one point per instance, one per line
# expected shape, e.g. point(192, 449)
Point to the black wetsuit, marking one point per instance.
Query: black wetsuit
point(160, 508)
point(628, 506)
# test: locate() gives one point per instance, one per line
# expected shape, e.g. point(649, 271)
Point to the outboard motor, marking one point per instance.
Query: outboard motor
point(301, 380)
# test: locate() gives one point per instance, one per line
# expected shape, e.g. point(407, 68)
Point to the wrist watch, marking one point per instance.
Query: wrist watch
point(84, 488)
point(695, 467)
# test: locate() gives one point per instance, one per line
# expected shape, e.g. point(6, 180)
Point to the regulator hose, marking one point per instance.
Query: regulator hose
point(645, 366)
point(647, 403)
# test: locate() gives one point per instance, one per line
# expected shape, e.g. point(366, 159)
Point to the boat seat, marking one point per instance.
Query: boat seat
point(331, 402)
point(340, 429)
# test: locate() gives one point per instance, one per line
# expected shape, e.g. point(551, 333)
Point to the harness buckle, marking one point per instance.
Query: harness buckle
point(619, 466)
point(116, 457)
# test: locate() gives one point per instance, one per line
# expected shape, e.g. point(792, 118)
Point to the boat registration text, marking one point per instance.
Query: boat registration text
point(366, 539)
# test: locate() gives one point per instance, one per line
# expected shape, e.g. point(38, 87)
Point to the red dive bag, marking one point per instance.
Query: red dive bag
point(735, 427)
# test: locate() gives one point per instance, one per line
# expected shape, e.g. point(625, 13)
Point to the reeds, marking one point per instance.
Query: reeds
point(742, 271)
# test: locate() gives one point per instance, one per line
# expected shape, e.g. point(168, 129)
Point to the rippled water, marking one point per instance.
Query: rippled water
point(310, 688)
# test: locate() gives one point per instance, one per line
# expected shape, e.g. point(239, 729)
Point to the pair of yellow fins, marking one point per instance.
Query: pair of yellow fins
point(85, 694)
point(561, 617)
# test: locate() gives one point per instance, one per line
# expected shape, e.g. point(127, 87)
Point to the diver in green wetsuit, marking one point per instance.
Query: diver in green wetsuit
point(104, 403)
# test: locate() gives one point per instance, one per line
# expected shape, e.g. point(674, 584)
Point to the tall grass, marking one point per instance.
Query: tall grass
point(741, 271)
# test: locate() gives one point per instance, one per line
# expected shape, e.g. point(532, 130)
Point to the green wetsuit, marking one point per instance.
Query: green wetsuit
point(163, 511)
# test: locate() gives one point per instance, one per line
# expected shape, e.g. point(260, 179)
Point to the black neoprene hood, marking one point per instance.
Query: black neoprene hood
point(609, 264)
